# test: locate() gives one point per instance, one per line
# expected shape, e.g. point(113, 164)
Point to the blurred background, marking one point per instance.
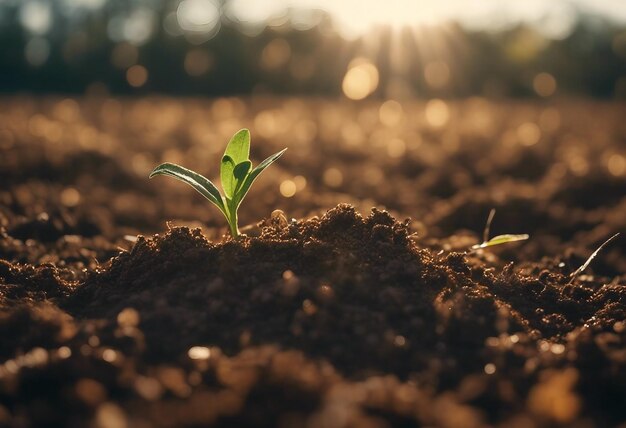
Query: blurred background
point(356, 49)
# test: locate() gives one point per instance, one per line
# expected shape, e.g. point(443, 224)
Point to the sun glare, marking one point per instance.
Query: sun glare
point(355, 18)
point(400, 61)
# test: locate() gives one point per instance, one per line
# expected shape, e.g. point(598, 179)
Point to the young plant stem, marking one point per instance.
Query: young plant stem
point(232, 218)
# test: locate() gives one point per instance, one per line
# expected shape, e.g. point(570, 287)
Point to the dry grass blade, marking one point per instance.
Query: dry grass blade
point(590, 259)
point(487, 230)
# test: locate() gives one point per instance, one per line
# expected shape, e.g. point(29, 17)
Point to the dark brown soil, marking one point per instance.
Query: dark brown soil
point(345, 317)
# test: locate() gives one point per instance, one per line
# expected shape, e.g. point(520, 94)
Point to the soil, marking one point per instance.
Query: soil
point(355, 302)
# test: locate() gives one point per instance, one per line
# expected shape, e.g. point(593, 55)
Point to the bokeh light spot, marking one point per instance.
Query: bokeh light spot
point(528, 134)
point(255, 13)
point(300, 182)
point(544, 84)
point(360, 80)
point(288, 188)
point(199, 353)
point(578, 165)
point(275, 55)
point(617, 165)
point(136, 27)
point(70, 197)
point(36, 16)
point(128, 317)
point(137, 76)
point(139, 26)
point(437, 113)
point(197, 15)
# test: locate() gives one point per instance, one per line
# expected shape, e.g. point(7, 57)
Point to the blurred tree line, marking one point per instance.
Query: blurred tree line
point(78, 54)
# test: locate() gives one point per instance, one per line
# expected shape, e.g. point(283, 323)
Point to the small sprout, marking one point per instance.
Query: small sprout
point(589, 260)
point(497, 240)
point(501, 239)
point(236, 175)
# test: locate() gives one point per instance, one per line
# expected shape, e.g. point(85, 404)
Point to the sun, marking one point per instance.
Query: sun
point(356, 18)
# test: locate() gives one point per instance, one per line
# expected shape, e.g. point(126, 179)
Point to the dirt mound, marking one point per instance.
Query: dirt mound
point(353, 295)
point(353, 290)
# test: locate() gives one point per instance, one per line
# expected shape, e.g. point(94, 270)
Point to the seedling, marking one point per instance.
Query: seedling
point(236, 175)
point(591, 257)
point(497, 240)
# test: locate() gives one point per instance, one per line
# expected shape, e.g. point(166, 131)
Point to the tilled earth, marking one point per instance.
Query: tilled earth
point(354, 300)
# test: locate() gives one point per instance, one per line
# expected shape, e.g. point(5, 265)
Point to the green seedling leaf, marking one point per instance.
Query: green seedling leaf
point(201, 184)
point(497, 240)
point(240, 173)
point(501, 239)
point(235, 174)
point(226, 175)
point(254, 174)
point(591, 257)
point(238, 147)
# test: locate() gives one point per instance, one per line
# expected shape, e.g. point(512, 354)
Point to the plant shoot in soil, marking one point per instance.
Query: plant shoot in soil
point(590, 259)
point(497, 240)
point(236, 175)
